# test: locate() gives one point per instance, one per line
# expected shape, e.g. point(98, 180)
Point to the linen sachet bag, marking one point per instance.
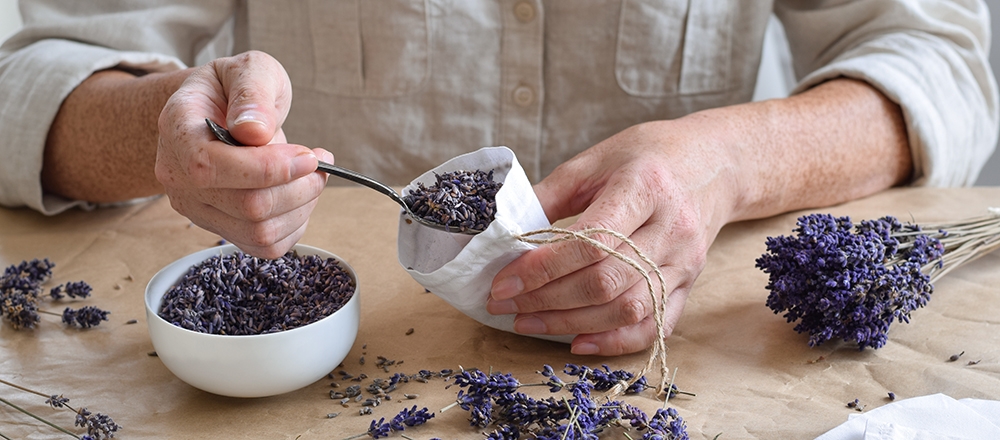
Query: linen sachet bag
point(460, 268)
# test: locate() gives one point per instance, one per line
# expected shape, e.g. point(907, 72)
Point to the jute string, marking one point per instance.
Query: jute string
point(658, 351)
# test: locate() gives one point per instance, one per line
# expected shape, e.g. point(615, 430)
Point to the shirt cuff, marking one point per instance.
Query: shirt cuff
point(35, 81)
point(949, 104)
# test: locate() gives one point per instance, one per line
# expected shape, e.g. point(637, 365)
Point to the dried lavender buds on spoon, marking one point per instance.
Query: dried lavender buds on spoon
point(460, 200)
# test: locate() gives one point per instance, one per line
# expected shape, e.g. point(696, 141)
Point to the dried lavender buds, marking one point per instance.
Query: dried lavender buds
point(494, 401)
point(841, 281)
point(21, 291)
point(463, 200)
point(240, 294)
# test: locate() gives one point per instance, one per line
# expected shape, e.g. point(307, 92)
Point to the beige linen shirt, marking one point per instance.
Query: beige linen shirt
point(395, 87)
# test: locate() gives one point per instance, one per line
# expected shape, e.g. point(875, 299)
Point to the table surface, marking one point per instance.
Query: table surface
point(753, 376)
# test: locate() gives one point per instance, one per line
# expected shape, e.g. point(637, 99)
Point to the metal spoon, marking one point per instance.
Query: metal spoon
point(223, 135)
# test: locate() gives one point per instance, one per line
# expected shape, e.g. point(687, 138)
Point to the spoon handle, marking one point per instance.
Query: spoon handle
point(363, 180)
point(223, 135)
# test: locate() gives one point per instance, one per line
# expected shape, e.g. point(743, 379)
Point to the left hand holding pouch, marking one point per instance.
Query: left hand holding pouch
point(460, 268)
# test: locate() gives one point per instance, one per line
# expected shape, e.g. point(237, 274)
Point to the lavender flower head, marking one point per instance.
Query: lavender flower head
point(19, 289)
point(84, 317)
point(841, 281)
point(407, 417)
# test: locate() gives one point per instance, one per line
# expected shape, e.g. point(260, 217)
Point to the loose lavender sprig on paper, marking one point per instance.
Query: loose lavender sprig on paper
point(99, 426)
point(21, 292)
point(850, 282)
point(461, 200)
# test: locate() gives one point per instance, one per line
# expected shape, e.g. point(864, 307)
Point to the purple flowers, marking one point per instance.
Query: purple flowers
point(20, 293)
point(841, 281)
point(243, 295)
point(463, 200)
point(85, 317)
point(493, 400)
point(407, 417)
point(99, 426)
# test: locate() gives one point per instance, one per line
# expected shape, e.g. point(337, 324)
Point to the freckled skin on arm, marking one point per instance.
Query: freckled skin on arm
point(101, 146)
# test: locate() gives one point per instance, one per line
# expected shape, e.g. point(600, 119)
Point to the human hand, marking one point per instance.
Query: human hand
point(259, 198)
point(664, 185)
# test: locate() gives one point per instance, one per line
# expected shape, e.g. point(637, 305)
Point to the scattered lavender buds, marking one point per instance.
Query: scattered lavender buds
point(462, 200)
point(849, 282)
point(20, 293)
point(243, 295)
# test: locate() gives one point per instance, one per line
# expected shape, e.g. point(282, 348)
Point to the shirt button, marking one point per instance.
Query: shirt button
point(524, 11)
point(524, 96)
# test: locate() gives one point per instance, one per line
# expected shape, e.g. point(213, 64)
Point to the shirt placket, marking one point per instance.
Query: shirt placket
point(522, 88)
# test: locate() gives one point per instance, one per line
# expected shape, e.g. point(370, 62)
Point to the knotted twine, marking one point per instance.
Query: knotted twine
point(460, 268)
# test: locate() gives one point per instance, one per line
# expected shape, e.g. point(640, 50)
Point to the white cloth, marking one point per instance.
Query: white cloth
point(460, 268)
point(396, 87)
point(936, 417)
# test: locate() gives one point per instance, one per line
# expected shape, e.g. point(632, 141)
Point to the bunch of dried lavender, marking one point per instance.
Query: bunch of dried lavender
point(21, 290)
point(462, 200)
point(851, 282)
point(98, 426)
point(493, 399)
point(243, 295)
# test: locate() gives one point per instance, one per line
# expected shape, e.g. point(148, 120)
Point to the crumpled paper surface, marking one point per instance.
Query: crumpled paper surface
point(460, 268)
point(754, 377)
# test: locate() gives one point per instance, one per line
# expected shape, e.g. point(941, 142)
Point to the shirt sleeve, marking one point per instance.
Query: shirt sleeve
point(62, 43)
point(929, 57)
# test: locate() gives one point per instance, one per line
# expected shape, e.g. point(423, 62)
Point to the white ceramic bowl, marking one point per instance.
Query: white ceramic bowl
point(250, 365)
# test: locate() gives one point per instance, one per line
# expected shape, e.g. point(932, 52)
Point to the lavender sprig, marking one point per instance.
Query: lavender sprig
point(407, 417)
point(99, 426)
point(841, 281)
point(20, 290)
point(493, 400)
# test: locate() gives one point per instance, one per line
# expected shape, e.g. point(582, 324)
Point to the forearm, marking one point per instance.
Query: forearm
point(836, 142)
point(101, 146)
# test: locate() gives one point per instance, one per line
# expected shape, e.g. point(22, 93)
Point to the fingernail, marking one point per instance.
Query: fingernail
point(529, 324)
point(584, 348)
point(503, 307)
point(507, 288)
point(250, 116)
point(303, 164)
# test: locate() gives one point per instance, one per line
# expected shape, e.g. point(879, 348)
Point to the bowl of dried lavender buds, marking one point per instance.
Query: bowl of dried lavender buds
point(236, 325)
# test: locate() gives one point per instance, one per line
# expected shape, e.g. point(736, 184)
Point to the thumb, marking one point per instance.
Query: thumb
point(258, 94)
point(568, 190)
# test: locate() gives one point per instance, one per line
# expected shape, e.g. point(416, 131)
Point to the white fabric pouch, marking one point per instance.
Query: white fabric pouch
point(460, 268)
